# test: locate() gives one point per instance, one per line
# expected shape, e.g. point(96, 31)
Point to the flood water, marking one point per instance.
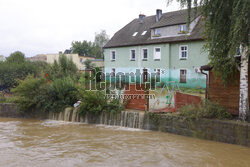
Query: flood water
point(27, 142)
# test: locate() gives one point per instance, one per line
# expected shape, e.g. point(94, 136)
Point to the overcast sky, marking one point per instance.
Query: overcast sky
point(49, 26)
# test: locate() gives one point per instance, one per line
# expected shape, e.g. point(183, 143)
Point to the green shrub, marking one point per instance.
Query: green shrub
point(39, 94)
point(96, 102)
point(62, 68)
point(207, 109)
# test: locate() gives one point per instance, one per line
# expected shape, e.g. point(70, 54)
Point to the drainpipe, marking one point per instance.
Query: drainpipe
point(206, 92)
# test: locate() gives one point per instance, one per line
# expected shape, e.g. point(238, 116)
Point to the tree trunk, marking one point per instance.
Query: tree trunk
point(243, 100)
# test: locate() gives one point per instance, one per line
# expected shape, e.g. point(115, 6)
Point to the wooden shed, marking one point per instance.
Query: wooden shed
point(226, 95)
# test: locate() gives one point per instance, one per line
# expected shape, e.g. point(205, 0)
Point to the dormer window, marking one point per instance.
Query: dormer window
point(135, 34)
point(144, 32)
point(183, 28)
point(157, 32)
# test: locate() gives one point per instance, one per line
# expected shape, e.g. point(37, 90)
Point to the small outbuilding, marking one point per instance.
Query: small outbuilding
point(227, 95)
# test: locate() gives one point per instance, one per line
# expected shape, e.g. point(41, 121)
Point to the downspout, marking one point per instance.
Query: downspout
point(206, 92)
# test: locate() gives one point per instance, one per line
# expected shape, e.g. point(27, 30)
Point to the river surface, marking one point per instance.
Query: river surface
point(34, 143)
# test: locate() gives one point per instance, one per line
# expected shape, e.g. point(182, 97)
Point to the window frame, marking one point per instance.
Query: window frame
point(155, 53)
point(157, 32)
point(111, 55)
point(180, 52)
point(143, 58)
point(182, 26)
point(181, 79)
point(130, 51)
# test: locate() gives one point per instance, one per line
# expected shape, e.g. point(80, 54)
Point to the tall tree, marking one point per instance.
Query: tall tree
point(101, 38)
point(16, 57)
point(82, 48)
point(226, 30)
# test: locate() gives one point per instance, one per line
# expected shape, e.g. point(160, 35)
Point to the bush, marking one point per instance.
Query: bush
point(16, 67)
point(96, 102)
point(62, 68)
point(207, 109)
point(39, 94)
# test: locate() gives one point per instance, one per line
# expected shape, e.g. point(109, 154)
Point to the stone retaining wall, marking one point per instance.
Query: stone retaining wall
point(12, 111)
point(217, 130)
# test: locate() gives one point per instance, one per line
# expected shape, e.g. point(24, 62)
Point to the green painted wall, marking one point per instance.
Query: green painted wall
point(170, 64)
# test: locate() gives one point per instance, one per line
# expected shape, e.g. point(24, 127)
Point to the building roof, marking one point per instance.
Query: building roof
point(124, 37)
point(175, 18)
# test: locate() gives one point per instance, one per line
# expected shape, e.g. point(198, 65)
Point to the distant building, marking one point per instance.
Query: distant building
point(2, 58)
point(77, 59)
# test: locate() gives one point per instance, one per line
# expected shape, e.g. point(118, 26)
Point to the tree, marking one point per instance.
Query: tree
point(16, 57)
point(82, 48)
point(101, 38)
point(226, 30)
point(62, 68)
point(16, 68)
point(88, 64)
point(94, 49)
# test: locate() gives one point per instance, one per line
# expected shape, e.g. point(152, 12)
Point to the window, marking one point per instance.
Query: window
point(144, 54)
point(157, 54)
point(183, 27)
point(157, 32)
point(113, 72)
point(135, 34)
point(183, 76)
point(144, 32)
point(113, 55)
point(183, 53)
point(132, 54)
point(158, 72)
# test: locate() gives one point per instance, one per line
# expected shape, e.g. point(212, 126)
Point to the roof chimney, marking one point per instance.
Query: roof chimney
point(158, 14)
point(141, 16)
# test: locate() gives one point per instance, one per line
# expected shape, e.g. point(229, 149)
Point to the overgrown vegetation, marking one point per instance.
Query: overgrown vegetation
point(59, 86)
point(16, 67)
point(206, 109)
point(97, 102)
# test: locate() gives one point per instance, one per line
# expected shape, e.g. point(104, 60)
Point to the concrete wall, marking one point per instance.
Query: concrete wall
point(12, 111)
point(217, 130)
point(169, 64)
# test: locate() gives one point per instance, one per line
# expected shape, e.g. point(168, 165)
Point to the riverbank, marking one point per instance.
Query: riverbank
point(232, 132)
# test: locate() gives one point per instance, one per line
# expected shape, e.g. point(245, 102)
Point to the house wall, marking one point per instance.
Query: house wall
point(225, 95)
point(98, 63)
point(50, 58)
point(170, 64)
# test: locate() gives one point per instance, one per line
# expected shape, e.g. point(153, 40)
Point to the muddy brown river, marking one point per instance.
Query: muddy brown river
point(34, 143)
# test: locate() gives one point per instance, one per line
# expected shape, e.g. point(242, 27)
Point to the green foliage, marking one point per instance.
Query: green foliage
point(36, 93)
point(16, 57)
point(226, 28)
point(60, 94)
point(101, 38)
point(29, 91)
point(88, 48)
point(16, 67)
point(88, 64)
point(62, 68)
point(96, 102)
point(207, 109)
